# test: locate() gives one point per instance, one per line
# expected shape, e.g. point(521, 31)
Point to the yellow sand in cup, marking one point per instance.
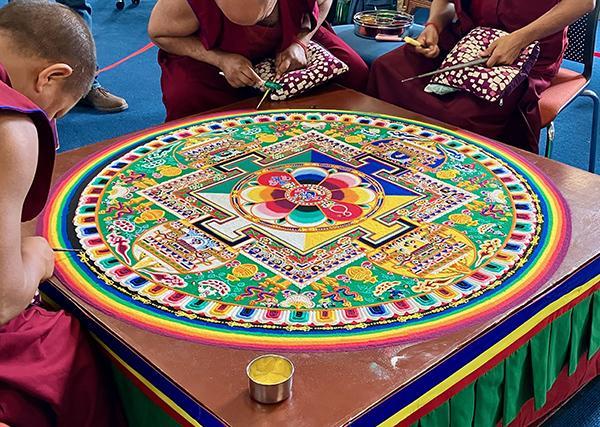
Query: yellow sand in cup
point(270, 370)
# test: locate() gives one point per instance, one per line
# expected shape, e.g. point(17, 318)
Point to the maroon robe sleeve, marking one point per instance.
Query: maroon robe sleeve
point(210, 20)
point(296, 16)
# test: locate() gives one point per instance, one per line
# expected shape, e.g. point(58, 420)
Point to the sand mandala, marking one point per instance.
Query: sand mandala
point(306, 230)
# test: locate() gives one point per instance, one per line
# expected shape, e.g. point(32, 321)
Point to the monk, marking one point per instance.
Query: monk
point(517, 121)
point(199, 39)
point(48, 375)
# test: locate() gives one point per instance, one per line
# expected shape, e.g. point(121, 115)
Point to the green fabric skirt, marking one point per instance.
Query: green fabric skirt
point(530, 372)
point(495, 397)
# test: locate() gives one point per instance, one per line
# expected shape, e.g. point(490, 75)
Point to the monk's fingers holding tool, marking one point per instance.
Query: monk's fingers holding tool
point(237, 70)
point(251, 78)
point(284, 66)
point(429, 37)
point(429, 40)
point(422, 39)
point(429, 51)
point(245, 77)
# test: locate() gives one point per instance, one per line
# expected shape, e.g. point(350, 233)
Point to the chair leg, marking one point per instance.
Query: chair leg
point(595, 117)
point(549, 140)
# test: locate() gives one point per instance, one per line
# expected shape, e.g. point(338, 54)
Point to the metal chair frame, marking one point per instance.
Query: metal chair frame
point(583, 54)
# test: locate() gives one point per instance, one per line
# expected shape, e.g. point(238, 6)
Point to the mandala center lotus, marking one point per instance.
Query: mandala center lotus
point(309, 195)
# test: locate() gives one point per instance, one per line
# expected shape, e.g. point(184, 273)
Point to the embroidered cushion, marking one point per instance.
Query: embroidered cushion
point(322, 66)
point(491, 84)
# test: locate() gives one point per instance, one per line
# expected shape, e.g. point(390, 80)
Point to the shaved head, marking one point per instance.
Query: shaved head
point(54, 34)
point(246, 12)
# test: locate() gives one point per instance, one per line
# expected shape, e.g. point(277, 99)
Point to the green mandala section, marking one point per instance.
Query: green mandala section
point(306, 221)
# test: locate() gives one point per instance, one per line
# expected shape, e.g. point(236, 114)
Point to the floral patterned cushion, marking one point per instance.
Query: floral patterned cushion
point(491, 84)
point(322, 66)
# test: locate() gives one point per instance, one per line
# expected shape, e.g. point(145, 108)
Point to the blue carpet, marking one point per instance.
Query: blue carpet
point(120, 33)
point(117, 34)
point(581, 411)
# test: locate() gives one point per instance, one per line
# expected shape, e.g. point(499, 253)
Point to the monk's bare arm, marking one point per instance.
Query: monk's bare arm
point(294, 56)
point(556, 19)
point(24, 262)
point(441, 13)
point(506, 49)
point(173, 27)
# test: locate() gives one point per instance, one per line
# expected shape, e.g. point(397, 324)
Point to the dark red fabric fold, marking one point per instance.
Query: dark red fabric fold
point(49, 375)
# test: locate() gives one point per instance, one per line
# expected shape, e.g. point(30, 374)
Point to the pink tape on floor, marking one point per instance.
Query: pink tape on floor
point(128, 57)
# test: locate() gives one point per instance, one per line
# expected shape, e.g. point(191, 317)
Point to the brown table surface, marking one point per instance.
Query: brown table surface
point(331, 388)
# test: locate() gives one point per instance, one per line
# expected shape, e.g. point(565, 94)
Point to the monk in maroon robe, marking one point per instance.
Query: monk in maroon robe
point(48, 373)
point(201, 38)
point(517, 120)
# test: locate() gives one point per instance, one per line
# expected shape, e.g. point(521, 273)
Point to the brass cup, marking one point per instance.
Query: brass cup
point(265, 389)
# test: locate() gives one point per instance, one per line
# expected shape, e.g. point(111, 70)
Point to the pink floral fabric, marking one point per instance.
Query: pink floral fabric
point(491, 84)
point(322, 66)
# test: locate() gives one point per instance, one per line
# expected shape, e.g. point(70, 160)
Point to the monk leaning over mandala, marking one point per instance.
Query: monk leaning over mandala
point(208, 48)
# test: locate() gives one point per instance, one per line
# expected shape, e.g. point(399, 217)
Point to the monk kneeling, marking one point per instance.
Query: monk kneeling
point(516, 120)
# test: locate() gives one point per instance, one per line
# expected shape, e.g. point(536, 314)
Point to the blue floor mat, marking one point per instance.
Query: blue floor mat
point(117, 34)
point(583, 410)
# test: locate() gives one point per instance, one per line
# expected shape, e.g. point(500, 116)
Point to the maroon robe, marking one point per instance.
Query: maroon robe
point(191, 87)
point(48, 373)
point(517, 121)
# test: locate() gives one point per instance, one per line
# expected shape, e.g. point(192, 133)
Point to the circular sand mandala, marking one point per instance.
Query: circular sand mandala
point(306, 230)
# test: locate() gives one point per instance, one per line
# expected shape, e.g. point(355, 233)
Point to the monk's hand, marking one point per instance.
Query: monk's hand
point(429, 40)
point(504, 50)
point(238, 71)
point(37, 250)
point(293, 58)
